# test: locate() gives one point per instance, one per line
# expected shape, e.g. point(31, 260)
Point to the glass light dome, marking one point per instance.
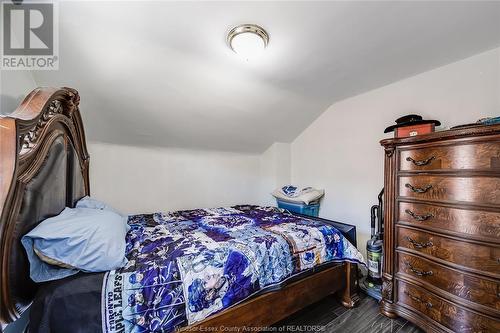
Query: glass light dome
point(248, 40)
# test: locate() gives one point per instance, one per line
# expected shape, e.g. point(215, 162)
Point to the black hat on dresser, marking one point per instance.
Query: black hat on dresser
point(409, 120)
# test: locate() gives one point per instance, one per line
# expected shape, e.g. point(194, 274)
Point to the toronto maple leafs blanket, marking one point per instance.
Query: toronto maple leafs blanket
point(186, 265)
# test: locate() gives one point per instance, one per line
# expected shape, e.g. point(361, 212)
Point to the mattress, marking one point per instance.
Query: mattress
point(187, 265)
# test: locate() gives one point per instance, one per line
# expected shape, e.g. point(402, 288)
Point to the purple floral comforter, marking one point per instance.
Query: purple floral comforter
point(186, 265)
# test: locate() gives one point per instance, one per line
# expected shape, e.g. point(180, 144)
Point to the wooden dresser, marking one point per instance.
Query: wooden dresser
point(441, 266)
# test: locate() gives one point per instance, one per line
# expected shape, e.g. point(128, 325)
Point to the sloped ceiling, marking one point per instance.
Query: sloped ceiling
point(160, 73)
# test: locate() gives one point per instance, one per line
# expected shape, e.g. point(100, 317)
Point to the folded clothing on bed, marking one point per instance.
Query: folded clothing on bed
point(184, 266)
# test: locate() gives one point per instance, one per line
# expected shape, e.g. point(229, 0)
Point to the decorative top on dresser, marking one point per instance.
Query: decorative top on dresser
point(442, 230)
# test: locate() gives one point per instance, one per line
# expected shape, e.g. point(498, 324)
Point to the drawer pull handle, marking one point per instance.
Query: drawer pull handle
point(421, 162)
point(428, 305)
point(417, 217)
point(418, 245)
point(417, 271)
point(419, 189)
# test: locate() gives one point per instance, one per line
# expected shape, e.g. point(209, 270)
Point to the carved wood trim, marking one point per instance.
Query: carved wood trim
point(387, 291)
point(26, 136)
point(389, 151)
point(28, 140)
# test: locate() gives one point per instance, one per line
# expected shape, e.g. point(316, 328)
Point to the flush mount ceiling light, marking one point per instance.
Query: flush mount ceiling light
point(248, 40)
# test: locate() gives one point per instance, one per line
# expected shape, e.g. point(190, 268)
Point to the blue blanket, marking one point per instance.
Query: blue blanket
point(187, 265)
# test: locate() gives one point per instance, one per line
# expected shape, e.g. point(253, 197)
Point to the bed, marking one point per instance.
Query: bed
point(44, 167)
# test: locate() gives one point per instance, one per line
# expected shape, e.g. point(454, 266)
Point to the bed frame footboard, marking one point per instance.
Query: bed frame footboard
point(267, 309)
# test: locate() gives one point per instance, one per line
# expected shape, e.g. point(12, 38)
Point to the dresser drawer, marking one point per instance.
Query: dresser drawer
point(476, 156)
point(452, 316)
point(479, 190)
point(481, 225)
point(476, 257)
point(470, 287)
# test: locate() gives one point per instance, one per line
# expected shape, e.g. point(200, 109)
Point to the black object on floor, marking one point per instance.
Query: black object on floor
point(372, 289)
point(329, 315)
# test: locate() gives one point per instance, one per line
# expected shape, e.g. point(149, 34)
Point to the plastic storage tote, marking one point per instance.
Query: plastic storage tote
point(312, 209)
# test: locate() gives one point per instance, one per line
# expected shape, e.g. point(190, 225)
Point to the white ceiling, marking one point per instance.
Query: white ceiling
point(159, 73)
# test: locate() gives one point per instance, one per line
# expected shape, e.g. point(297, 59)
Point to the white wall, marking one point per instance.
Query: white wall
point(140, 180)
point(340, 150)
point(274, 171)
point(14, 86)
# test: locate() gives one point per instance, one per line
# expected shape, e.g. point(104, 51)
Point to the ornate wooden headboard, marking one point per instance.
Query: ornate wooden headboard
point(43, 168)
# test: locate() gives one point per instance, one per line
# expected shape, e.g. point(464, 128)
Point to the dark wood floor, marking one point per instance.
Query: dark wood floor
point(330, 316)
